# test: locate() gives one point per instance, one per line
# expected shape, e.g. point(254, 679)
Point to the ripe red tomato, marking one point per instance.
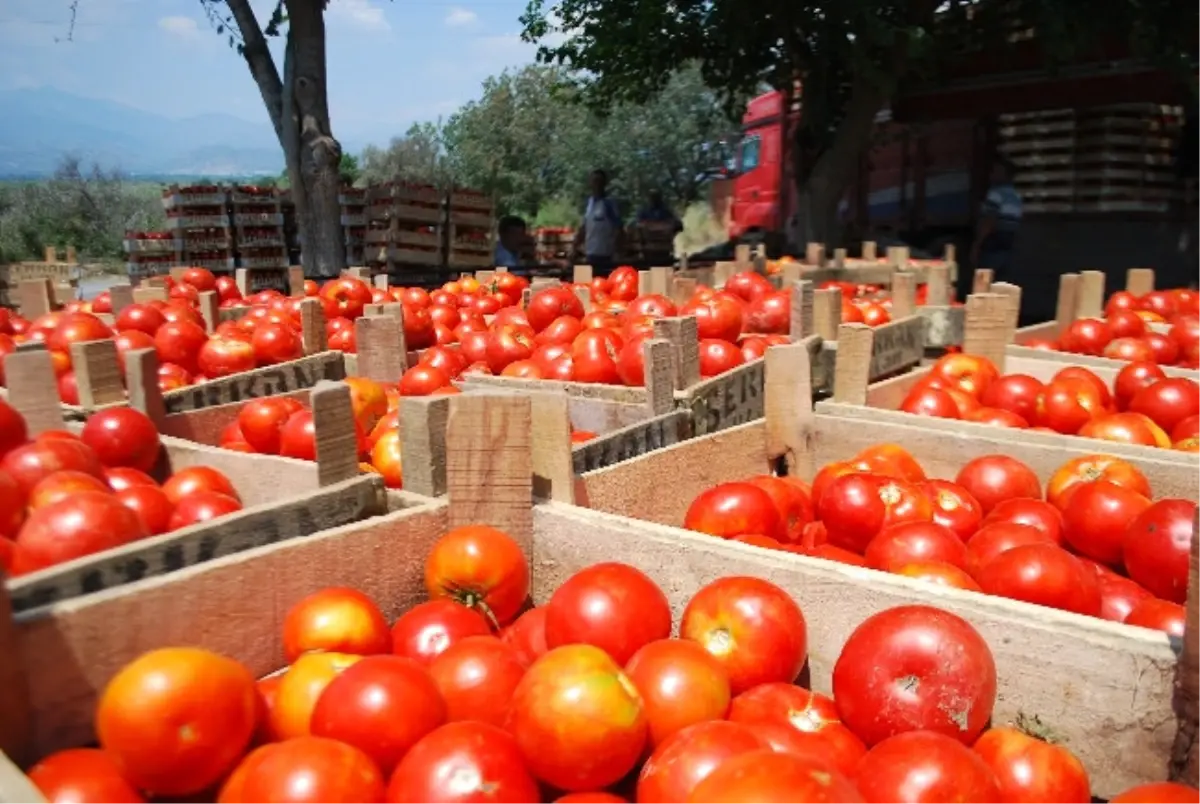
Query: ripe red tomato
point(791, 501)
point(13, 432)
point(753, 628)
point(140, 317)
point(482, 568)
point(856, 507)
point(1155, 548)
point(954, 507)
point(594, 355)
point(297, 437)
point(681, 684)
point(1043, 574)
point(1126, 428)
point(302, 770)
point(176, 720)
point(338, 620)
point(276, 343)
point(30, 463)
point(202, 506)
point(991, 479)
point(939, 573)
point(348, 296)
point(172, 377)
point(718, 317)
point(952, 686)
point(812, 720)
point(547, 305)
point(1121, 300)
point(766, 775)
point(82, 776)
point(196, 479)
point(612, 606)
point(12, 507)
point(527, 635)
point(1035, 513)
point(564, 329)
point(1187, 428)
point(717, 357)
point(930, 401)
point(891, 460)
point(1158, 792)
point(261, 422)
point(1166, 349)
point(681, 763)
point(968, 373)
point(120, 478)
point(151, 505)
point(1125, 324)
point(748, 285)
point(1168, 402)
point(463, 762)
point(1030, 769)
point(578, 719)
point(1118, 594)
point(476, 677)
point(221, 357)
point(506, 344)
point(427, 629)
point(179, 342)
point(899, 545)
point(122, 437)
point(76, 328)
point(381, 705)
point(1016, 393)
point(1129, 349)
point(926, 766)
point(1089, 469)
point(1067, 404)
point(1086, 336)
point(83, 524)
point(1160, 615)
point(61, 485)
point(422, 380)
point(733, 509)
point(1096, 517)
point(770, 313)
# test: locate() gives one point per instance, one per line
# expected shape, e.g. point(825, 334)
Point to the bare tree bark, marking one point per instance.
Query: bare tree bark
point(299, 110)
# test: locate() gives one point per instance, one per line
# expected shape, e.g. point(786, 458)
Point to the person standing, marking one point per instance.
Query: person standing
point(1000, 218)
point(599, 234)
point(509, 236)
point(656, 211)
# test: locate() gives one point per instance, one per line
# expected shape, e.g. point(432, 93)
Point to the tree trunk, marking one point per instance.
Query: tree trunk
point(820, 186)
point(313, 155)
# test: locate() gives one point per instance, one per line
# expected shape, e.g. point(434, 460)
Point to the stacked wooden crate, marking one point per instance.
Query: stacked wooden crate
point(257, 217)
point(403, 227)
point(63, 277)
point(199, 219)
point(353, 201)
point(150, 253)
point(291, 229)
point(553, 246)
point(472, 221)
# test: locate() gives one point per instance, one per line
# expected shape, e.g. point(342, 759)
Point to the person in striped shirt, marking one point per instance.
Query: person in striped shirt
point(999, 219)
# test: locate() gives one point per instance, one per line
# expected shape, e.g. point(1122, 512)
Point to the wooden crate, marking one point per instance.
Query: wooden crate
point(1170, 472)
point(1105, 689)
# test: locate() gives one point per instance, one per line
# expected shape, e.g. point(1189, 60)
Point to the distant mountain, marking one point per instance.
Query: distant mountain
point(39, 126)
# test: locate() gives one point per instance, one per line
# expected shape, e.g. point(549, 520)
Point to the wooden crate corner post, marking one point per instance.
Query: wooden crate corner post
point(1139, 281)
point(1067, 306)
point(1091, 294)
point(489, 463)
point(787, 406)
point(683, 334)
point(97, 373)
point(553, 472)
point(382, 350)
point(989, 326)
point(423, 443)
point(312, 327)
point(852, 364)
point(141, 378)
point(801, 323)
point(335, 433)
point(33, 390)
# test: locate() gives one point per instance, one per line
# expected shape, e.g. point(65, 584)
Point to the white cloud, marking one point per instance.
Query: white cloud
point(459, 17)
point(361, 14)
point(183, 27)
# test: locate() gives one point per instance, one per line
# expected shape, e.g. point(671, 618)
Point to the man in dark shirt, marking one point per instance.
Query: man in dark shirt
point(656, 211)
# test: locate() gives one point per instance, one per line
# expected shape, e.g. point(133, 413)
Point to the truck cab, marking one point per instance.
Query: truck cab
point(761, 189)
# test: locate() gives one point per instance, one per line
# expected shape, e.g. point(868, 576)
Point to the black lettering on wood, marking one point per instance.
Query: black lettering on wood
point(897, 345)
point(629, 442)
point(730, 399)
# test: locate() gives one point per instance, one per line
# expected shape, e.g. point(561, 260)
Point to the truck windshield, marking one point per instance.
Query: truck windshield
point(748, 158)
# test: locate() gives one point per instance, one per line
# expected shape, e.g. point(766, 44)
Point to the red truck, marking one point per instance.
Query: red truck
point(918, 184)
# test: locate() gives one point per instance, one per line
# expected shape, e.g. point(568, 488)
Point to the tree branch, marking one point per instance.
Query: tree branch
point(258, 59)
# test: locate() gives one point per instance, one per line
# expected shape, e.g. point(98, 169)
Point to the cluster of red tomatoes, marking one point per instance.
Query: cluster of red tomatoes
point(1125, 332)
point(64, 496)
point(1092, 543)
point(867, 304)
point(587, 698)
point(1144, 405)
point(283, 425)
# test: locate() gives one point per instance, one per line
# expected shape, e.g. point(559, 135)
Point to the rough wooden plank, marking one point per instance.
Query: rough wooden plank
point(293, 375)
point(982, 280)
point(896, 345)
point(382, 351)
point(312, 326)
point(682, 333)
point(581, 274)
point(631, 441)
point(727, 400)
point(295, 274)
point(97, 373)
point(658, 361)
point(32, 389)
point(904, 294)
point(603, 393)
point(852, 372)
point(827, 313)
point(937, 286)
point(553, 477)
point(943, 325)
point(489, 464)
point(787, 405)
point(336, 434)
point(423, 443)
point(1091, 294)
point(800, 323)
point(986, 330)
point(1104, 687)
point(1139, 281)
point(121, 296)
point(329, 507)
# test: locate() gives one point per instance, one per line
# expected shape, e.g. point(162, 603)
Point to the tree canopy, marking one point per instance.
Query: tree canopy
point(530, 143)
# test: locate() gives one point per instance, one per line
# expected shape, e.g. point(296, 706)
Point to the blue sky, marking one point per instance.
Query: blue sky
point(391, 62)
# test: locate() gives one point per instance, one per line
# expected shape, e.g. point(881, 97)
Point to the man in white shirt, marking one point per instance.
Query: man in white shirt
point(601, 232)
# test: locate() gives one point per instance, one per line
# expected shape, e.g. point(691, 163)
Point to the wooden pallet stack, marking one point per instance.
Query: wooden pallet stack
point(553, 246)
point(150, 253)
point(403, 227)
point(257, 217)
point(291, 229)
point(63, 276)
point(472, 222)
point(198, 217)
point(353, 201)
